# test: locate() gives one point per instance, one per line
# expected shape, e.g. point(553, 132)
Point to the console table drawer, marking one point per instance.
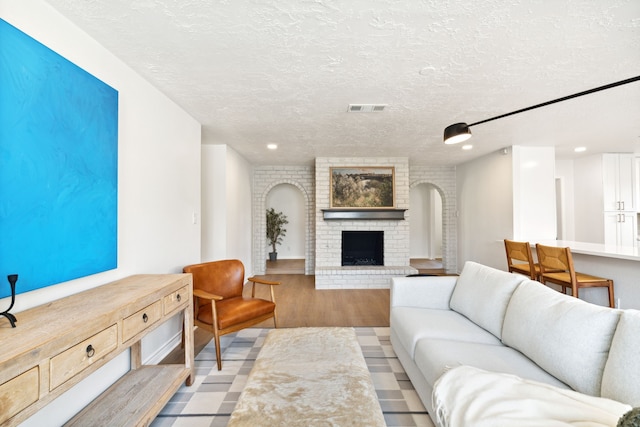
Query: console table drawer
point(68, 363)
point(18, 393)
point(176, 299)
point(141, 320)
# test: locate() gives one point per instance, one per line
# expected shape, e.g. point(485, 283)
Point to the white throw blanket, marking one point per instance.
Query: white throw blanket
point(471, 397)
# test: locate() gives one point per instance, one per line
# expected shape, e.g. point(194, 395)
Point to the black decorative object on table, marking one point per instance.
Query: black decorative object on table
point(13, 278)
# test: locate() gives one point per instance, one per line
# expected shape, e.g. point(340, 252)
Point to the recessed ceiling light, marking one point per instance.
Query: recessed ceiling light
point(467, 147)
point(427, 71)
point(272, 146)
point(580, 149)
point(366, 108)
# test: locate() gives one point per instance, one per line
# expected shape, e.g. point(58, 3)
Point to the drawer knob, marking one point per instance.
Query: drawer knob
point(178, 297)
point(90, 351)
point(145, 318)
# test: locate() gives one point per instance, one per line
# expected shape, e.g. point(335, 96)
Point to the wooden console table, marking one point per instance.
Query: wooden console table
point(58, 344)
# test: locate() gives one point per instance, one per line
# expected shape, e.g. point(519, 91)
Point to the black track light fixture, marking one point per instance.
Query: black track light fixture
point(459, 132)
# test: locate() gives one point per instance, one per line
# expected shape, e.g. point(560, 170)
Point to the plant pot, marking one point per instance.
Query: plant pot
point(273, 256)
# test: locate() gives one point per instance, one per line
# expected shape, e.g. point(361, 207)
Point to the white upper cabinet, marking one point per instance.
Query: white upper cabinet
point(618, 182)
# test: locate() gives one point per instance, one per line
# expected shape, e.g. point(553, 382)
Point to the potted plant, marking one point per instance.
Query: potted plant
point(275, 230)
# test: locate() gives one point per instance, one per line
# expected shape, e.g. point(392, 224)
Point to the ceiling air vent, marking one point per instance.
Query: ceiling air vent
point(366, 108)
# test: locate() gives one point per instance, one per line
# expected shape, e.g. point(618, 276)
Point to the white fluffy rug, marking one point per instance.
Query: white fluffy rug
point(309, 377)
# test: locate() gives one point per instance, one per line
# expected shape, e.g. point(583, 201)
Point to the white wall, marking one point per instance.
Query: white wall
point(534, 207)
point(158, 187)
point(214, 190)
point(288, 199)
point(564, 173)
point(226, 212)
point(588, 199)
point(238, 205)
point(425, 222)
point(506, 194)
point(436, 224)
point(485, 209)
point(418, 225)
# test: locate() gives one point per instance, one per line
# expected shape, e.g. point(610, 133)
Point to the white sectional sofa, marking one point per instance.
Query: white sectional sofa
point(505, 323)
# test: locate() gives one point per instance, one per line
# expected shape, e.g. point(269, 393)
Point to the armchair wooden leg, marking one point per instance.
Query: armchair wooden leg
point(218, 356)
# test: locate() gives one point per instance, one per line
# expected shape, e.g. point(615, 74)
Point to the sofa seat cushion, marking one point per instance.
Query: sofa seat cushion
point(621, 377)
point(435, 356)
point(412, 324)
point(482, 294)
point(567, 337)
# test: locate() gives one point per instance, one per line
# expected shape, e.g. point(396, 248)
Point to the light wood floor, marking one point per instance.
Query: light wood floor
point(285, 266)
point(299, 304)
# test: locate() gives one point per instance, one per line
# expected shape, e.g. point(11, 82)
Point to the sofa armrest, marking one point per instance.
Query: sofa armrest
point(422, 291)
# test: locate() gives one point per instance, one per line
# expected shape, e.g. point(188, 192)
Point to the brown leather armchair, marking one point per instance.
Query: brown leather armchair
point(218, 302)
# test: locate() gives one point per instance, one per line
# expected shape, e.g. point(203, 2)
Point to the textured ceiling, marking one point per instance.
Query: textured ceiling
point(284, 71)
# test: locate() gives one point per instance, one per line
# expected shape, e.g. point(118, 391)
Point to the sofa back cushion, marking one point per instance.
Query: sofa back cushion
point(567, 337)
point(482, 294)
point(621, 377)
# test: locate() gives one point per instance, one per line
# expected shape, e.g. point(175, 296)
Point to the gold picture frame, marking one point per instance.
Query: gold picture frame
point(363, 187)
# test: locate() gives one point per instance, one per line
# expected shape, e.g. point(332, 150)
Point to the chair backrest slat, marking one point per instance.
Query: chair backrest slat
point(554, 258)
point(520, 251)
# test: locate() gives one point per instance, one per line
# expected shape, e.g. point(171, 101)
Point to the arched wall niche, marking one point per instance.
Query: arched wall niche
point(265, 179)
point(425, 222)
point(444, 182)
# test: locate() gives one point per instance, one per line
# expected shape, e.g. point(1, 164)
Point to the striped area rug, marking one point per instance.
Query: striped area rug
point(211, 399)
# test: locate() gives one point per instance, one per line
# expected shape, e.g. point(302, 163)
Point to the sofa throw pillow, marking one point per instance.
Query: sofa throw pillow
point(621, 377)
point(482, 294)
point(565, 336)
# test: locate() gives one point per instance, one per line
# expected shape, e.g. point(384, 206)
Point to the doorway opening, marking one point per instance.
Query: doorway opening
point(425, 229)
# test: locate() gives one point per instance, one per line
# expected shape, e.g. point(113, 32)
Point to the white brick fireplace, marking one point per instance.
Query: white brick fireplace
point(323, 236)
point(329, 272)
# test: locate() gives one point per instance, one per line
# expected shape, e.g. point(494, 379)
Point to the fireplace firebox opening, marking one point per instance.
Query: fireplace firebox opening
point(362, 248)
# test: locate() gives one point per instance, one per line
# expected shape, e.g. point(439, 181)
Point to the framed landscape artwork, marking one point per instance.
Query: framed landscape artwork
point(363, 187)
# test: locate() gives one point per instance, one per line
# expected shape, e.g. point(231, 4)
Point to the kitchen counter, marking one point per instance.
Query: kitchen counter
point(619, 263)
point(631, 253)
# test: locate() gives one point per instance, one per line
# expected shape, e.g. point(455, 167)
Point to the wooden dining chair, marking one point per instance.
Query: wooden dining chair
point(219, 305)
point(556, 266)
point(521, 251)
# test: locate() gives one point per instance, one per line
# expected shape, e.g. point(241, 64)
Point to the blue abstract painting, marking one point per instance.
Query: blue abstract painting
point(58, 167)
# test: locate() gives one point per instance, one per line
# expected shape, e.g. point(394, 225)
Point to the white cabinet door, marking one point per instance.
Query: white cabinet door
point(618, 182)
point(626, 183)
point(627, 229)
point(637, 182)
point(620, 228)
point(611, 228)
